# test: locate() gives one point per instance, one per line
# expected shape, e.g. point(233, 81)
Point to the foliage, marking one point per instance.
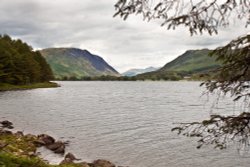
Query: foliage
point(11, 160)
point(233, 78)
point(198, 15)
point(8, 87)
point(19, 65)
point(219, 130)
point(17, 149)
point(167, 77)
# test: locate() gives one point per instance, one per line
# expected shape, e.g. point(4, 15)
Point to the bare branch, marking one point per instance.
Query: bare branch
point(199, 16)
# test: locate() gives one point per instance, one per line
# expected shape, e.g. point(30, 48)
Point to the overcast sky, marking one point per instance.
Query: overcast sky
point(89, 24)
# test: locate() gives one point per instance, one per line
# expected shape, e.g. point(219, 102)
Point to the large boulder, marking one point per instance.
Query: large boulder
point(102, 163)
point(7, 124)
point(57, 147)
point(71, 156)
point(45, 139)
point(66, 161)
point(69, 159)
point(5, 132)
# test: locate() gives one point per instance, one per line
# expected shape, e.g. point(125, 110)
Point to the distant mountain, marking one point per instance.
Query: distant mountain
point(134, 72)
point(73, 62)
point(189, 63)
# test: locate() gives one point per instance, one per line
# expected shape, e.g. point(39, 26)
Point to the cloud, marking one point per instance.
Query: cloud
point(89, 25)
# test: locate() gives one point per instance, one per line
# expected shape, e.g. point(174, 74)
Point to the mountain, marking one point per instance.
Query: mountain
point(190, 63)
point(134, 72)
point(77, 63)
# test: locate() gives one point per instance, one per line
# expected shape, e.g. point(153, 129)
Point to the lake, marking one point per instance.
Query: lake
point(128, 123)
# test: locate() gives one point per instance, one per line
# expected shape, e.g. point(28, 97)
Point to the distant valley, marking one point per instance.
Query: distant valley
point(134, 72)
point(76, 63)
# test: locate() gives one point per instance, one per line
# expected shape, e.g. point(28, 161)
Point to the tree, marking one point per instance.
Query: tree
point(198, 15)
point(232, 78)
point(20, 65)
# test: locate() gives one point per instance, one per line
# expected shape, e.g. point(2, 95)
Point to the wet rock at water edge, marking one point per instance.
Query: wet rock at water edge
point(71, 156)
point(45, 139)
point(57, 147)
point(69, 159)
point(5, 132)
point(102, 163)
point(7, 124)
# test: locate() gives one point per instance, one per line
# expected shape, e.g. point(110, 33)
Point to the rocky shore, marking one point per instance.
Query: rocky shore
point(19, 149)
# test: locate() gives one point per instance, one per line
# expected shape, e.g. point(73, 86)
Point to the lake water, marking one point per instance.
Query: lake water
point(128, 123)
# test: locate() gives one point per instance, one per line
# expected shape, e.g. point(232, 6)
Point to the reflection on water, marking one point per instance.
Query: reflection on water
point(128, 123)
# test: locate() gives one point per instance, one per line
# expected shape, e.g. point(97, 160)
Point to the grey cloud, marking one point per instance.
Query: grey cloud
point(90, 25)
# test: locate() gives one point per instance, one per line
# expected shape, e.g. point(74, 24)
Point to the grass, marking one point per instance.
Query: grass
point(11, 160)
point(16, 153)
point(8, 87)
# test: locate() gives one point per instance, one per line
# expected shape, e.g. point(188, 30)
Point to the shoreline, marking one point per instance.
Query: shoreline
point(10, 87)
point(17, 148)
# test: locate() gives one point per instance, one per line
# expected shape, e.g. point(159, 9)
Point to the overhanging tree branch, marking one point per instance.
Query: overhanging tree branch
point(232, 78)
point(198, 15)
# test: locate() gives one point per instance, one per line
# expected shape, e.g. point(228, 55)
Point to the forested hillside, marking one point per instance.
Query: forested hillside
point(19, 65)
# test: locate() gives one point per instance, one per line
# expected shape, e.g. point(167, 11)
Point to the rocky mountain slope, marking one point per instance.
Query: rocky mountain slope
point(77, 63)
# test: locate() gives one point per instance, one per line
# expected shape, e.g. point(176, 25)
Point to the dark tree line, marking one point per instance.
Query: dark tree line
point(20, 65)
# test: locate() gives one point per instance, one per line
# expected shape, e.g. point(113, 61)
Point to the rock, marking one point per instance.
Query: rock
point(66, 161)
point(5, 132)
point(67, 143)
point(46, 139)
point(69, 159)
point(71, 156)
point(60, 150)
point(39, 143)
point(57, 147)
point(7, 124)
point(102, 163)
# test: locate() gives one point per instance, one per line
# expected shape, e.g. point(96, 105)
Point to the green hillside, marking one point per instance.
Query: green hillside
point(191, 63)
point(76, 63)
